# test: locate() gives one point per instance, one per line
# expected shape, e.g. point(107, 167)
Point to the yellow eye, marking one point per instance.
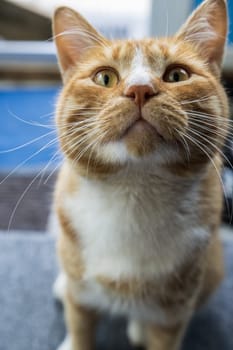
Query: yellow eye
point(106, 78)
point(176, 75)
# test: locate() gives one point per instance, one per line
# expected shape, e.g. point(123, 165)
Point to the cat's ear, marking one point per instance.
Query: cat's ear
point(207, 29)
point(73, 35)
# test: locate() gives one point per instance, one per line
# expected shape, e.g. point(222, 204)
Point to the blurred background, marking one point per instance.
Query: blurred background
point(30, 83)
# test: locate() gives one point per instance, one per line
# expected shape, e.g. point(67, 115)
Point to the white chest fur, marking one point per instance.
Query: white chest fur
point(141, 229)
point(138, 228)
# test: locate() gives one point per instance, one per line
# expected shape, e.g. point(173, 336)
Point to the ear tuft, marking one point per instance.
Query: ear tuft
point(206, 29)
point(73, 36)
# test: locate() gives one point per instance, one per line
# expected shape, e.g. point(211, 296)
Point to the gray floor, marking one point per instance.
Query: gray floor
point(31, 319)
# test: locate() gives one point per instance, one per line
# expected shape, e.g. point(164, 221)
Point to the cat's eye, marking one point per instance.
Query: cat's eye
point(106, 78)
point(176, 75)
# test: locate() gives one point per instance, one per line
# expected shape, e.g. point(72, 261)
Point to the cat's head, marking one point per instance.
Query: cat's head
point(157, 100)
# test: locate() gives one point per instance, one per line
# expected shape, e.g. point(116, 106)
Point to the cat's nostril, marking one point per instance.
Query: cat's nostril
point(140, 93)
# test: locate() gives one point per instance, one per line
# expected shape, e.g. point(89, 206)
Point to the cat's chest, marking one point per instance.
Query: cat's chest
point(131, 232)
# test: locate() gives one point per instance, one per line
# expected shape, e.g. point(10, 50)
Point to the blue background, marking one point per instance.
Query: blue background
point(33, 106)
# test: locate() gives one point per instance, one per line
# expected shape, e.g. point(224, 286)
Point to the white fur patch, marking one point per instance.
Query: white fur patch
point(130, 228)
point(66, 344)
point(59, 287)
point(114, 152)
point(140, 71)
point(136, 333)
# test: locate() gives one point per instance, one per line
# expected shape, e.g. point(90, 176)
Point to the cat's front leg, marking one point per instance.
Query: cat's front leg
point(165, 337)
point(80, 323)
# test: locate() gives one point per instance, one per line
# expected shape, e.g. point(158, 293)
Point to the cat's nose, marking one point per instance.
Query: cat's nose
point(140, 94)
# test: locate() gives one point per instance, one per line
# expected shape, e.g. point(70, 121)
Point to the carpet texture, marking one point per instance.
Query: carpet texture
point(31, 320)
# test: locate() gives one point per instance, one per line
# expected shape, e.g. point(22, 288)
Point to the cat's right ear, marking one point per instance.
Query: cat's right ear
point(206, 29)
point(73, 35)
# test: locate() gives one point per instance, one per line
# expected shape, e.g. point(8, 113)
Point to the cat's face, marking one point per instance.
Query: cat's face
point(129, 101)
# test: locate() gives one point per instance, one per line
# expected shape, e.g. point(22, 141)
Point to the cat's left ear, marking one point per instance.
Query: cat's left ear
point(206, 29)
point(73, 36)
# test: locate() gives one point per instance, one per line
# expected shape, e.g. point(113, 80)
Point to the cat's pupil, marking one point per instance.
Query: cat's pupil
point(176, 77)
point(106, 79)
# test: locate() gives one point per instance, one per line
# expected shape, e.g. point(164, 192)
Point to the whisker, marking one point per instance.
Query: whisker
point(32, 123)
point(206, 128)
point(209, 121)
point(50, 143)
point(209, 116)
point(54, 156)
point(20, 199)
point(52, 173)
point(211, 144)
point(201, 99)
point(27, 143)
point(82, 140)
point(200, 146)
point(101, 137)
point(186, 146)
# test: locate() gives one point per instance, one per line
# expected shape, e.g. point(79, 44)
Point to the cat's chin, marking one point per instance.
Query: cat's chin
point(141, 138)
point(139, 128)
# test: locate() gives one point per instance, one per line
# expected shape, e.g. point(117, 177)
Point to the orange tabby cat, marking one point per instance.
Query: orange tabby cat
point(138, 199)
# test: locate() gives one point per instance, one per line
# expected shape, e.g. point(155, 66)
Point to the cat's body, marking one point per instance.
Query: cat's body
point(137, 200)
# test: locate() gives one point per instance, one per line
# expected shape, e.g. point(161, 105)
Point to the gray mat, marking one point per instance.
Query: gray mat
point(31, 320)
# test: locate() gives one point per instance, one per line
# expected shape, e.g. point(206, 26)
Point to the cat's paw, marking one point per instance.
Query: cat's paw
point(59, 287)
point(136, 333)
point(66, 344)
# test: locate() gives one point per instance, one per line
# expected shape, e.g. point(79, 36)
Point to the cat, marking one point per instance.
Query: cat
point(141, 124)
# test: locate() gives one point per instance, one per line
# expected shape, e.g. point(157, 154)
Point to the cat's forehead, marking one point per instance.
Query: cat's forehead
point(131, 53)
point(154, 54)
point(128, 52)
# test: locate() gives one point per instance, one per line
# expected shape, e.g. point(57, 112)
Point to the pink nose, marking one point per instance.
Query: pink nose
point(140, 94)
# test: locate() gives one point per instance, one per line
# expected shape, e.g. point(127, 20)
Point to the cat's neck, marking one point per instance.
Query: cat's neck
point(138, 177)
